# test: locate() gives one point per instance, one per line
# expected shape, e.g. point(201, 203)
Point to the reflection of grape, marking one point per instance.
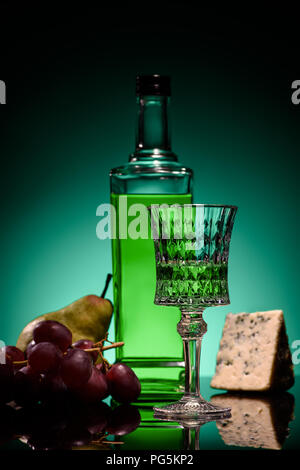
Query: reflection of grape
point(6, 382)
point(95, 389)
point(53, 332)
point(66, 424)
point(23, 420)
point(124, 419)
point(48, 422)
point(7, 415)
point(45, 441)
point(41, 419)
point(124, 385)
point(76, 368)
point(86, 344)
point(95, 417)
point(75, 436)
point(44, 357)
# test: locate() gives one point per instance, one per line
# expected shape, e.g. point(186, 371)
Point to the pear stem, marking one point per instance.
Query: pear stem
point(108, 279)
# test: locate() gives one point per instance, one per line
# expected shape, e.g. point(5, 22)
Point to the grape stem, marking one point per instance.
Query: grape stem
point(103, 440)
point(113, 345)
point(111, 442)
point(103, 348)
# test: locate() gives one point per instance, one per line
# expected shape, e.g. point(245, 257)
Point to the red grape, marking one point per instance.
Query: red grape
point(95, 389)
point(101, 367)
point(124, 419)
point(14, 354)
point(29, 347)
point(86, 344)
point(53, 332)
point(53, 388)
point(44, 357)
point(124, 385)
point(27, 387)
point(76, 368)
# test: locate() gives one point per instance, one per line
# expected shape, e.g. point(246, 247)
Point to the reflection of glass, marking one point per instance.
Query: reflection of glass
point(191, 429)
point(191, 252)
point(164, 433)
point(256, 421)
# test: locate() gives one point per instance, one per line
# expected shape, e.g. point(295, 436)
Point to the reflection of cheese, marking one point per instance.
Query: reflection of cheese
point(254, 353)
point(255, 421)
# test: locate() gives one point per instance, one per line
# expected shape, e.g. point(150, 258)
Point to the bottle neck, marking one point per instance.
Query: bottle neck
point(153, 129)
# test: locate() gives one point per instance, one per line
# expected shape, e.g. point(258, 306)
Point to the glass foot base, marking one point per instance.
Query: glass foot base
point(191, 409)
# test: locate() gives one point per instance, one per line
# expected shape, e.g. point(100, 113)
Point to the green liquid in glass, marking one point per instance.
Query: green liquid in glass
point(193, 283)
point(153, 348)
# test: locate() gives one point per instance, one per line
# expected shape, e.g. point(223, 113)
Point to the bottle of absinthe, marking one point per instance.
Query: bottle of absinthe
point(153, 175)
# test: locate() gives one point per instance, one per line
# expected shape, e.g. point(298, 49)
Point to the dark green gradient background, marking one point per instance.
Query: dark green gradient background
point(70, 117)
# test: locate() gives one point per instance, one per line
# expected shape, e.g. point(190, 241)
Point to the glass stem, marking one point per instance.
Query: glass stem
point(191, 438)
point(191, 328)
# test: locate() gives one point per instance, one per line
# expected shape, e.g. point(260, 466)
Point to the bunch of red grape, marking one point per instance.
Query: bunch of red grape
point(56, 370)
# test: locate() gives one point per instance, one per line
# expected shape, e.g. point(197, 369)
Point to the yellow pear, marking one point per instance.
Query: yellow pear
point(87, 318)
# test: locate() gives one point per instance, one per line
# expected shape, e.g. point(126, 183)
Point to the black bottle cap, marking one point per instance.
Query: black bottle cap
point(159, 85)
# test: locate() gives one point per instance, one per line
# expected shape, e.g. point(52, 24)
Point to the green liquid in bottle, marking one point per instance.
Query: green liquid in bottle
point(153, 348)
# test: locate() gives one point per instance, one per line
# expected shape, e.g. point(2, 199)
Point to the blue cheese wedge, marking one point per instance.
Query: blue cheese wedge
point(256, 421)
point(254, 354)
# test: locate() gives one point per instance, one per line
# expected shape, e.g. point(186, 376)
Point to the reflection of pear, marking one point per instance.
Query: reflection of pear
point(88, 317)
point(256, 420)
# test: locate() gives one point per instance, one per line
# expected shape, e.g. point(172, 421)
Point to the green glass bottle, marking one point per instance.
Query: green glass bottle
point(152, 176)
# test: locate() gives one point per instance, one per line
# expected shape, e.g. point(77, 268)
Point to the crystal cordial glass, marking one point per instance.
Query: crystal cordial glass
point(191, 252)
